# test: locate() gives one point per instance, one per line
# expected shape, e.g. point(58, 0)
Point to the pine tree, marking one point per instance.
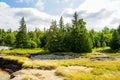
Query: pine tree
point(21, 37)
point(82, 40)
point(61, 23)
point(75, 20)
point(52, 38)
point(119, 29)
point(74, 33)
point(115, 42)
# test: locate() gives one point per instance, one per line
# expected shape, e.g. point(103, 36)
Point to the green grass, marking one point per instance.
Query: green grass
point(83, 75)
point(16, 58)
point(101, 70)
point(24, 51)
point(105, 50)
point(108, 51)
point(48, 64)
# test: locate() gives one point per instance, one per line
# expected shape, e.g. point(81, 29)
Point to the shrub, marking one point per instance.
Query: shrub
point(31, 44)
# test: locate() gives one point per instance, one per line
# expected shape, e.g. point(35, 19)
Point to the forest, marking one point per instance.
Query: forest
point(62, 37)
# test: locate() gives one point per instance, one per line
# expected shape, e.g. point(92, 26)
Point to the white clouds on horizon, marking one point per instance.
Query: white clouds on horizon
point(97, 14)
point(10, 17)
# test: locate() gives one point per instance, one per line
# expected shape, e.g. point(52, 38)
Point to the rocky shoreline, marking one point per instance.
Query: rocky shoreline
point(10, 65)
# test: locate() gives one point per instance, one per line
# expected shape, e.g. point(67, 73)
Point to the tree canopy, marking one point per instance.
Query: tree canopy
point(61, 37)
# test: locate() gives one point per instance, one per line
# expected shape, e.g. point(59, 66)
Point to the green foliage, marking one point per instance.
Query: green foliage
point(52, 38)
point(115, 42)
point(31, 44)
point(62, 37)
point(61, 24)
point(75, 38)
point(103, 44)
point(21, 37)
point(81, 40)
point(25, 51)
point(102, 38)
point(39, 35)
point(10, 39)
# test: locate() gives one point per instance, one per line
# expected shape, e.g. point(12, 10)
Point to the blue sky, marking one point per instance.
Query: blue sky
point(40, 13)
point(16, 3)
point(54, 7)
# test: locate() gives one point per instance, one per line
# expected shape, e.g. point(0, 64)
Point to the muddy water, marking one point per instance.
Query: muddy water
point(51, 57)
point(4, 75)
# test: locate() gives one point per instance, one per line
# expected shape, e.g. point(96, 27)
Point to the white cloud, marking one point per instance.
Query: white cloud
point(4, 5)
point(40, 5)
point(33, 17)
point(97, 14)
point(26, 1)
point(58, 1)
point(95, 5)
point(103, 11)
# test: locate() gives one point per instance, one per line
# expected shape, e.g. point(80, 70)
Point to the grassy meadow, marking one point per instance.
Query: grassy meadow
point(100, 70)
point(20, 51)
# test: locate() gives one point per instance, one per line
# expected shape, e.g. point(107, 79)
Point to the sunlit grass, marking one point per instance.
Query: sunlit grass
point(108, 51)
point(108, 65)
point(82, 75)
point(16, 58)
point(26, 78)
point(24, 51)
point(101, 70)
point(105, 50)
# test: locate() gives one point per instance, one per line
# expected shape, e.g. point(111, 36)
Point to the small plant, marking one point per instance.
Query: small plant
point(26, 78)
point(99, 71)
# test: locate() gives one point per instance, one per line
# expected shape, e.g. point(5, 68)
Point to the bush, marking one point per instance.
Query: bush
point(115, 42)
point(31, 44)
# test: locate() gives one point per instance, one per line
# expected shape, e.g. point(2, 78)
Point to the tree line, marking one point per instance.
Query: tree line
point(62, 37)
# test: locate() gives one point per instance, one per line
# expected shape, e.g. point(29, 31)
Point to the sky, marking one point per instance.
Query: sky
point(39, 13)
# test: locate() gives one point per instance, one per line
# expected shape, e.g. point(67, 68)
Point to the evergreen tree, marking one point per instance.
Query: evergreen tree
point(119, 29)
point(82, 40)
point(61, 23)
point(92, 36)
point(115, 42)
point(21, 37)
point(67, 41)
point(52, 38)
point(39, 35)
point(61, 35)
point(74, 29)
point(75, 20)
